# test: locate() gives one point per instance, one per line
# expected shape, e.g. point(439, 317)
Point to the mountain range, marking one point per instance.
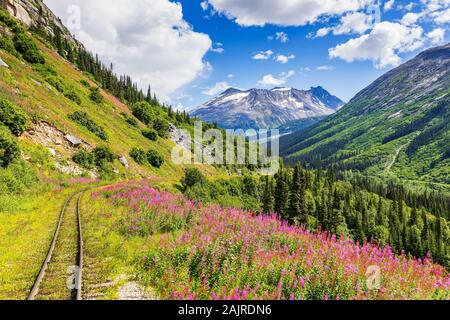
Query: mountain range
point(398, 125)
point(267, 109)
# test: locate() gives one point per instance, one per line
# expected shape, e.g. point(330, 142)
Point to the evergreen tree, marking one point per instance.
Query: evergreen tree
point(268, 199)
point(282, 193)
point(298, 211)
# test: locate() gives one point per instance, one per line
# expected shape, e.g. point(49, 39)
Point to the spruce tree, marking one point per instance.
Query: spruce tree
point(297, 209)
point(268, 200)
point(281, 193)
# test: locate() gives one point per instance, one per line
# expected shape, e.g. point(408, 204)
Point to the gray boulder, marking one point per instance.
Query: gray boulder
point(3, 63)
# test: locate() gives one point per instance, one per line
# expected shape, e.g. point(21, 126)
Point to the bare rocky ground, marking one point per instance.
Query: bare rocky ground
point(134, 291)
point(60, 144)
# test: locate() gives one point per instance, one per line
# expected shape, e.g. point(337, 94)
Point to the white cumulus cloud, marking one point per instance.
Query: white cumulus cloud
point(388, 5)
point(219, 87)
point(411, 18)
point(351, 23)
point(436, 36)
point(441, 17)
point(325, 68)
point(270, 80)
point(382, 45)
point(284, 12)
point(263, 55)
point(147, 39)
point(282, 37)
point(281, 58)
point(204, 5)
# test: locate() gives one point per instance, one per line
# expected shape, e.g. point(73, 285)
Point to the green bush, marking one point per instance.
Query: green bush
point(85, 84)
point(96, 96)
point(8, 45)
point(9, 151)
point(45, 70)
point(84, 159)
point(199, 192)
point(144, 112)
point(150, 134)
point(55, 82)
point(132, 121)
point(161, 126)
point(28, 49)
point(19, 176)
point(192, 176)
point(72, 95)
point(103, 155)
point(155, 159)
point(12, 117)
point(139, 156)
point(83, 119)
point(99, 157)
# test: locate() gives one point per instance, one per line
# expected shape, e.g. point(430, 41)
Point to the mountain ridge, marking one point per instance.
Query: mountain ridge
point(267, 108)
point(408, 106)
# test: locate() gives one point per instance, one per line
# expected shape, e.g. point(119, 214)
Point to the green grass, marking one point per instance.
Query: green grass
point(25, 236)
point(110, 258)
point(54, 283)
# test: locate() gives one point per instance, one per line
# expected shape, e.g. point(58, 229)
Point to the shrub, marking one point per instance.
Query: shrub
point(139, 156)
point(96, 96)
point(150, 134)
point(192, 176)
point(155, 159)
point(9, 151)
point(103, 155)
point(18, 177)
point(161, 126)
point(144, 112)
point(72, 95)
point(55, 82)
point(28, 49)
point(8, 45)
point(12, 117)
point(7, 20)
point(83, 119)
point(84, 159)
point(85, 84)
point(45, 70)
point(132, 121)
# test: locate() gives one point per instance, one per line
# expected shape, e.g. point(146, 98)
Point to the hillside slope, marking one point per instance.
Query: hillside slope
point(66, 113)
point(398, 126)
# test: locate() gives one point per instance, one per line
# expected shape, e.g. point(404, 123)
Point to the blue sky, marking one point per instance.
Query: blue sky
point(241, 43)
point(191, 50)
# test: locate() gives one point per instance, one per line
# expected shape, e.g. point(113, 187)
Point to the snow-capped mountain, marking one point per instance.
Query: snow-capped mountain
point(267, 109)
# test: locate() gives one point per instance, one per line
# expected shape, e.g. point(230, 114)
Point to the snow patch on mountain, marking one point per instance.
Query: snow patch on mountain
point(267, 109)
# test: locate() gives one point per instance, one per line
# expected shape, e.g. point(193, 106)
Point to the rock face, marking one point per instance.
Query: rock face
point(267, 109)
point(412, 81)
point(36, 13)
point(17, 9)
point(46, 134)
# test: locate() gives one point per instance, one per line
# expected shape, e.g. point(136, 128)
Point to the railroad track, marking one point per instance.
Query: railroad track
point(60, 277)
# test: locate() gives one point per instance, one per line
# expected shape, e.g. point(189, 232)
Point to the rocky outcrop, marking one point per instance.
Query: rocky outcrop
point(123, 160)
point(18, 10)
point(3, 64)
point(36, 13)
point(48, 135)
